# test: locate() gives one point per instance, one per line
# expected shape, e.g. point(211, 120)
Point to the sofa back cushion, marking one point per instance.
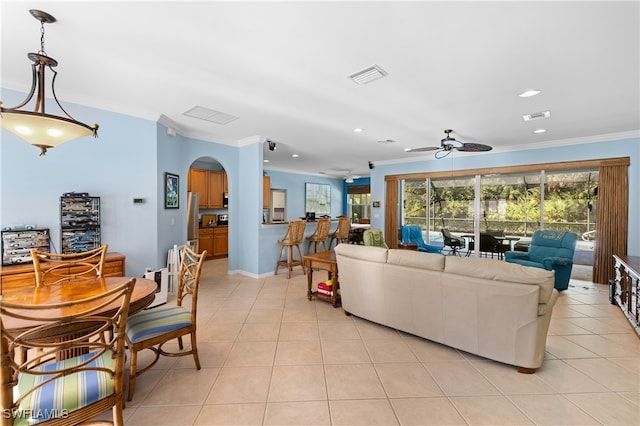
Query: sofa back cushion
point(498, 270)
point(372, 253)
point(416, 259)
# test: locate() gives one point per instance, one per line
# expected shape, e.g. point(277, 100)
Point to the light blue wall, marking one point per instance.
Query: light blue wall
point(294, 183)
point(121, 164)
point(596, 150)
point(131, 155)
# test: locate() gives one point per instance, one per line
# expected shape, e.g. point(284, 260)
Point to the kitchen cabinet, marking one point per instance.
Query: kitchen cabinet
point(220, 241)
point(205, 241)
point(216, 188)
point(210, 185)
point(266, 191)
point(215, 240)
point(199, 182)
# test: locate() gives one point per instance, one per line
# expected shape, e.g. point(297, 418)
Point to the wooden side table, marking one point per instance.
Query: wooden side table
point(324, 261)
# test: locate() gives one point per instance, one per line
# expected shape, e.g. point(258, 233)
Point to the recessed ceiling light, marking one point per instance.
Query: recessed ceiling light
point(295, 155)
point(358, 130)
point(265, 161)
point(529, 93)
point(539, 130)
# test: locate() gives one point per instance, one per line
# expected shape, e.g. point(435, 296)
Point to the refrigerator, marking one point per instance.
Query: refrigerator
point(192, 219)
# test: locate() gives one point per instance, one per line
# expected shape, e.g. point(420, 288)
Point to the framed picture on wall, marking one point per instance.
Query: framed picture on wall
point(318, 198)
point(171, 191)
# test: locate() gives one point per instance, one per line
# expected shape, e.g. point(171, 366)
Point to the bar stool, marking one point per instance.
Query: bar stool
point(293, 238)
point(341, 234)
point(320, 235)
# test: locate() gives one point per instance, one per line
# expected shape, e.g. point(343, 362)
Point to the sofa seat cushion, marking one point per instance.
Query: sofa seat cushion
point(497, 270)
point(416, 259)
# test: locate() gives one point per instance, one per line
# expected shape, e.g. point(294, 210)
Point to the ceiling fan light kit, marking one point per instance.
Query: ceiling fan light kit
point(37, 127)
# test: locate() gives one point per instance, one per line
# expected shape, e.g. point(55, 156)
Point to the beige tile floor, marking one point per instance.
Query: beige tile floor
point(271, 357)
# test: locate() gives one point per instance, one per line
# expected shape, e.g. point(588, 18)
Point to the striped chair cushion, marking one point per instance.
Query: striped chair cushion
point(154, 322)
point(65, 394)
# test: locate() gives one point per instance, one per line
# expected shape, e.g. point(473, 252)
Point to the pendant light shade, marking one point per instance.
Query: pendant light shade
point(38, 127)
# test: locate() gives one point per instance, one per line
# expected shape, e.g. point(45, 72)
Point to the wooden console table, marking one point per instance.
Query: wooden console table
point(325, 261)
point(627, 287)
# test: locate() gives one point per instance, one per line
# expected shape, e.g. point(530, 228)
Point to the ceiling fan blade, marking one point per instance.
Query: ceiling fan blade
point(474, 147)
point(428, 148)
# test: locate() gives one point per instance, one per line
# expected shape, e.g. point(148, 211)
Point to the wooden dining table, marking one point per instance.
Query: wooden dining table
point(67, 291)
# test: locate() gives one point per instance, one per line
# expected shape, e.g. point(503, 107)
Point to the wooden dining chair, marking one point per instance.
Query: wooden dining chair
point(45, 391)
point(53, 267)
point(319, 236)
point(292, 239)
point(152, 328)
point(341, 234)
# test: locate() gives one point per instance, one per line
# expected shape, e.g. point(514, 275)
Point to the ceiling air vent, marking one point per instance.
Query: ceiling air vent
point(536, 116)
point(210, 115)
point(387, 141)
point(368, 75)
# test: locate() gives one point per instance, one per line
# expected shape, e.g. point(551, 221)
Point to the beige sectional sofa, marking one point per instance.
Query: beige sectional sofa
point(487, 307)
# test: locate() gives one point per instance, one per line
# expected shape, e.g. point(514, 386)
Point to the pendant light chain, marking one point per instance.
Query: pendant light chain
point(42, 51)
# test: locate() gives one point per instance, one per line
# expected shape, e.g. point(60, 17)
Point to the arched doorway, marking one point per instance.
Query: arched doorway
point(208, 211)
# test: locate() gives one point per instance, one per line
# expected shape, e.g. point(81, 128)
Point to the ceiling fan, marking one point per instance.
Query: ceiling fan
point(449, 143)
point(349, 177)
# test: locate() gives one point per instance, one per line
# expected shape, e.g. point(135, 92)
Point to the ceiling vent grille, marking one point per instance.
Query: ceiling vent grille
point(536, 116)
point(387, 141)
point(368, 75)
point(210, 115)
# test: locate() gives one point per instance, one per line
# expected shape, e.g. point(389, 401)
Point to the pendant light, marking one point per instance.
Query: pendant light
point(37, 126)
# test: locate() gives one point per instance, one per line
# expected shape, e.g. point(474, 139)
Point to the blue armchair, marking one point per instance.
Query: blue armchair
point(413, 234)
point(550, 250)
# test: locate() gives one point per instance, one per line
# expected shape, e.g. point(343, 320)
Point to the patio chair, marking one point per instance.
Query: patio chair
point(550, 250)
point(413, 234)
point(453, 242)
point(374, 237)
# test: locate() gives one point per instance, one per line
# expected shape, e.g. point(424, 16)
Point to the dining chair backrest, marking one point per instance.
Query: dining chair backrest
point(79, 387)
point(343, 228)
point(341, 234)
point(189, 278)
point(295, 232)
point(53, 267)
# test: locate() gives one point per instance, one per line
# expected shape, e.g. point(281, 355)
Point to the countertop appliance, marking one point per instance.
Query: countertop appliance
point(209, 220)
point(278, 206)
point(223, 219)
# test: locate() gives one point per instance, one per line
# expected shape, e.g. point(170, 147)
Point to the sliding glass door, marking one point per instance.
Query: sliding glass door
point(510, 206)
